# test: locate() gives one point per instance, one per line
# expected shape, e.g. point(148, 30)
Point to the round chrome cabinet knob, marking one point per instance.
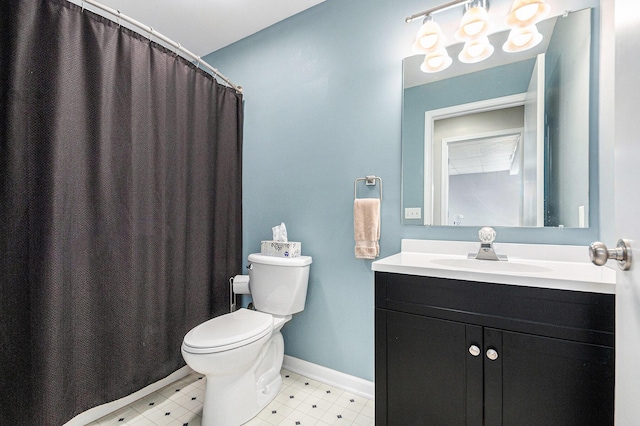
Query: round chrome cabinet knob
point(474, 350)
point(492, 354)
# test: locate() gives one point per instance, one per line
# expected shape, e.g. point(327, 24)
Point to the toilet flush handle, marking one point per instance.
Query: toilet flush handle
point(250, 266)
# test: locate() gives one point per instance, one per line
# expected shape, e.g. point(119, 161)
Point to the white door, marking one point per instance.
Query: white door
point(627, 208)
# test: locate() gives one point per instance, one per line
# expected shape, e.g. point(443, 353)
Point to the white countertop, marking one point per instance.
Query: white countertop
point(532, 265)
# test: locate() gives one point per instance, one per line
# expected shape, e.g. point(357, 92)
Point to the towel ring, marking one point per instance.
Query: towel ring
point(369, 181)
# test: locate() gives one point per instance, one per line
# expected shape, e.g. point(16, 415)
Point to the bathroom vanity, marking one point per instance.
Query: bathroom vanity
point(465, 343)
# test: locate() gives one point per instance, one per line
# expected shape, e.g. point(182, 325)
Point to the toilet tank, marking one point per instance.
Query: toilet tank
point(279, 284)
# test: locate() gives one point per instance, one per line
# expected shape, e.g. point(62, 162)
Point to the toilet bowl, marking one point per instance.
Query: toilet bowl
point(241, 352)
point(241, 355)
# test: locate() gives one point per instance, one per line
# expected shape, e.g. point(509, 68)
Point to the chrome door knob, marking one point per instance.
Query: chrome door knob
point(492, 354)
point(474, 350)
point(599, 254)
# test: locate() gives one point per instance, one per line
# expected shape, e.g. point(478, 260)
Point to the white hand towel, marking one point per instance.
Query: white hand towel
point(366, 227)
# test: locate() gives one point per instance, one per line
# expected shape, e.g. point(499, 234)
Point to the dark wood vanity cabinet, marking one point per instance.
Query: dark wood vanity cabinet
point(452, 352)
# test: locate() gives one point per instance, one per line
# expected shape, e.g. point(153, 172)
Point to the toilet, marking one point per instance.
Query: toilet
point(241, 353)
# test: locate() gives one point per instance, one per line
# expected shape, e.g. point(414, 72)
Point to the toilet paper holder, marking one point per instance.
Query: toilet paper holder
point(238, 284)
point(233, 299)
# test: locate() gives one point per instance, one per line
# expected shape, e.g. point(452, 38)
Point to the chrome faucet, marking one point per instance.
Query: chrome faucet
point(486, 252)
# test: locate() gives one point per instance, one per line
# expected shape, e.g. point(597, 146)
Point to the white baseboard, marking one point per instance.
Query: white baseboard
point(95, 413)
point(331, 377)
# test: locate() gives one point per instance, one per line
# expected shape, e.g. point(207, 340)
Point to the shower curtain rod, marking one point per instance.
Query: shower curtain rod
point(153, 33)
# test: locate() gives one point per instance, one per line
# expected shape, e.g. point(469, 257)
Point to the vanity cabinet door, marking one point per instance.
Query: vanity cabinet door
point(545, 381)
point(432, 378)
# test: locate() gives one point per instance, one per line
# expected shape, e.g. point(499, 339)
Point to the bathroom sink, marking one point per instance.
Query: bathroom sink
point(533, 265)
point(489, 265)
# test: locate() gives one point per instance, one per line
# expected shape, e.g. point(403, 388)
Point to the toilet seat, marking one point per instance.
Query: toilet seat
point(228, 332)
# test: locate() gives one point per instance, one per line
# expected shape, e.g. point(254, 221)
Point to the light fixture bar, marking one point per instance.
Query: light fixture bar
point(437, 9)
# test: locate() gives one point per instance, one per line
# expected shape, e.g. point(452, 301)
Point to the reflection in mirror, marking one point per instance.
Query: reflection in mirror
point(506, 144)
point(477, 167)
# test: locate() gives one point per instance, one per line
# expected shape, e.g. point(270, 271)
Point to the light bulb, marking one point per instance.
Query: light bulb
point(521, 39)
point(436, 61)
point(525, 13)
point(476, 51)
point(475, 24)
point(429, 37)
point(474, 28)
point(428, 41)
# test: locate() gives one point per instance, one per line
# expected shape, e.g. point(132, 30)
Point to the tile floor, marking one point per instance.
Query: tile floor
point(301, 401)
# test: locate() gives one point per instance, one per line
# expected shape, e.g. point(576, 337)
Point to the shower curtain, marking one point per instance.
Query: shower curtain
point(120, 208)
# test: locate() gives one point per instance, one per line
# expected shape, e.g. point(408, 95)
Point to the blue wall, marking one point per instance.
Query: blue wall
point(323, 94)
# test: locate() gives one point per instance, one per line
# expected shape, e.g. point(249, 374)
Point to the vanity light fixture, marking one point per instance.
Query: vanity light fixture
point(476, 51)
point(430, 37)
point(474, 29)
point(521, 39)
point(475, 22)
point(525, 13)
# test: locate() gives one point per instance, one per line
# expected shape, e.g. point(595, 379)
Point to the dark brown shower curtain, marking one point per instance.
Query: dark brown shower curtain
point(120, 209)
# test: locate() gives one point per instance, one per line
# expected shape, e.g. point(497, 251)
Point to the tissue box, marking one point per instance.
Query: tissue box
point(277, 248)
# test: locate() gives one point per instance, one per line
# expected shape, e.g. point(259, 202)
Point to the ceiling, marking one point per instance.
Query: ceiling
point(483, 154)
point(203, 26)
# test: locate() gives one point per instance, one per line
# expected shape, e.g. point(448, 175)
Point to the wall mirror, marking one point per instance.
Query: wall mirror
point(507, 141)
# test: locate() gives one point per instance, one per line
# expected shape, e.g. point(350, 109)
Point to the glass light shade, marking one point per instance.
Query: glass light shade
point(436, 61)
point(476, 51)
point(521, 39)
point(475, 24)
point(525, 13)
point(429, 39)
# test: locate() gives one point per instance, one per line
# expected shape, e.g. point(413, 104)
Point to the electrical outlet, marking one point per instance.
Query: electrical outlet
point(413, 213)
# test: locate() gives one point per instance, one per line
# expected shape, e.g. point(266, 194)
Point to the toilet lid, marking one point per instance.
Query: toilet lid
point(228, 331)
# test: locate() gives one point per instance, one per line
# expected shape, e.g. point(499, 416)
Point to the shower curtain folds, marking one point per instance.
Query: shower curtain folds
point(120, 208)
